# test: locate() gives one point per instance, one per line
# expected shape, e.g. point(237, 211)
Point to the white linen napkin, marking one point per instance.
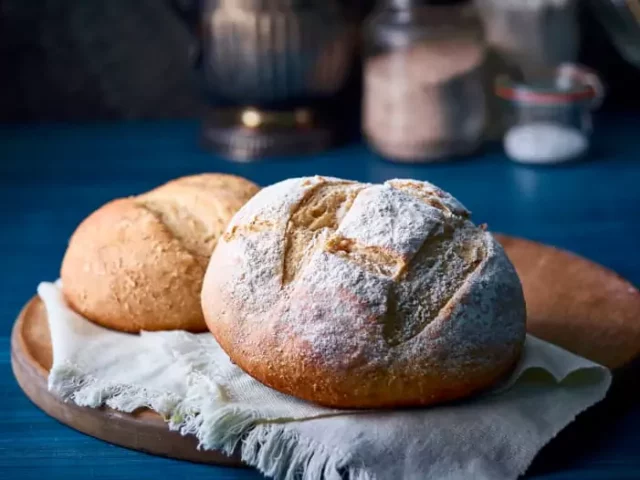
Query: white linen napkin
point(190, 381)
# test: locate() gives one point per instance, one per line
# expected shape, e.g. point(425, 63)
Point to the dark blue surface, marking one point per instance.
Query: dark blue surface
point(52, 177)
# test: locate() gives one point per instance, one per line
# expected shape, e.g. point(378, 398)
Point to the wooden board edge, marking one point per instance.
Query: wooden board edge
point(149, 435)
point(630, 358)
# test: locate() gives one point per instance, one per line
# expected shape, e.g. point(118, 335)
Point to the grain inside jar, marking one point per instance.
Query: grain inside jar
point(424, 93)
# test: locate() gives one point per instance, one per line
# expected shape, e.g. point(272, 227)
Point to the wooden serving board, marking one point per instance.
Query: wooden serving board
point(571, 302)
point(144, 430)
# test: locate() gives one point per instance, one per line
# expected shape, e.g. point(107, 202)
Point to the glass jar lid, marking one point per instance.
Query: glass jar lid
point(568, 83)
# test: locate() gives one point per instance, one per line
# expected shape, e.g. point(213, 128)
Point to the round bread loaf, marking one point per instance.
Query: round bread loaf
point(137, 263)
point(355, 295)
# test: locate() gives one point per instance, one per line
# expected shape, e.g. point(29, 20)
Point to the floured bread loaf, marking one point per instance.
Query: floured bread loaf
point(137, 263)
point(354, 295)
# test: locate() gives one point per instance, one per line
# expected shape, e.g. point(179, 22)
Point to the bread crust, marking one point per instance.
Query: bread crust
point(137, 263)
point(397, 301)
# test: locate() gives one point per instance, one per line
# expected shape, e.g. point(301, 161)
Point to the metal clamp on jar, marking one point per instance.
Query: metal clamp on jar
point(269, 68)
point(424, 96)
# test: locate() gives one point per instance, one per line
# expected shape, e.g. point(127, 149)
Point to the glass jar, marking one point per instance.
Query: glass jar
point(531, 36)
point(423, 94)
point(549, 120)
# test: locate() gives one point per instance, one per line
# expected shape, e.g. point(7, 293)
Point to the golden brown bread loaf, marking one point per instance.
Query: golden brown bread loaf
point(137, 263)
point(354, 295)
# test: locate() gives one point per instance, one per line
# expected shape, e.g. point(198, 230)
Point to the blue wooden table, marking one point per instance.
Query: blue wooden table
point(52, 177)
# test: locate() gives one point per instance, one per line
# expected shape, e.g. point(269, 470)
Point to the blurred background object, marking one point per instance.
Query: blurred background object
point(532, 35)
point(526, 38)
point(621, 19)
point(424, 94)
point(549, 119)
point(270, 70)
point(72, 60)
